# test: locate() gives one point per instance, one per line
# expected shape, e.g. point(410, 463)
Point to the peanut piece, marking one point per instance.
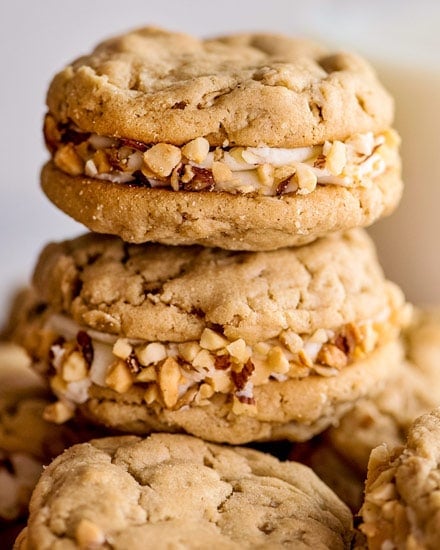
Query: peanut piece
point(151, 353)
point(162, 158)
point(221, 172)
point(332, 356)
point(122, 348)
point(196, 150)
point(74, 367)
point(67, 160)
point(277, 361)
point(88, 535)
point(238, 350)
point(119, 377)
point(169, 379)
point(336, 158)
point(211, 340)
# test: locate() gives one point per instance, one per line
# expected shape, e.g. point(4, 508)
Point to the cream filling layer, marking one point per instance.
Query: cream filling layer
point(268, 171)
point(176, 374)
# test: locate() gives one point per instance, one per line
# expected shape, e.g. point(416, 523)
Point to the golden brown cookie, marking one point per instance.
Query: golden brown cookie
point(229, 346)
point(176, 491)
point(402, 506)
point(246, 142)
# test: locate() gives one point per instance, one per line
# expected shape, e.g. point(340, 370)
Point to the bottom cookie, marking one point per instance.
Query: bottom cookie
point(176, 491)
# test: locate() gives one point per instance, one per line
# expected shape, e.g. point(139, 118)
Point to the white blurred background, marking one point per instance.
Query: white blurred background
point(400, 37)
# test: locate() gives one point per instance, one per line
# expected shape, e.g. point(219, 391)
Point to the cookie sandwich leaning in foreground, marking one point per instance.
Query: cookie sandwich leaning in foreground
point(176, 491)
point(228, 346)
point(246, 142)
point(402, 505)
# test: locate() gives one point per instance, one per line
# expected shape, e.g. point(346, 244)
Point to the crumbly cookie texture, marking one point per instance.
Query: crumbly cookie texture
point(156, 86)
point(178, 491)
point(401, 507)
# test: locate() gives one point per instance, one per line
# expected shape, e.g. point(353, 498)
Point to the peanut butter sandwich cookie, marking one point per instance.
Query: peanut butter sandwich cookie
point(340, 455)
point(176, 491)
point(402, 504)
point(229, 346)
point(27, 441)
point(246, 142)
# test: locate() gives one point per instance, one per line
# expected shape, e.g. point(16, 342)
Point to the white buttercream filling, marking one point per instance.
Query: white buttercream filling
point(200, 369)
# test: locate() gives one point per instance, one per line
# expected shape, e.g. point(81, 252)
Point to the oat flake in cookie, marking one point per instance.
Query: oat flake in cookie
point(246, 142)
point(176, 491)
point(229, 346)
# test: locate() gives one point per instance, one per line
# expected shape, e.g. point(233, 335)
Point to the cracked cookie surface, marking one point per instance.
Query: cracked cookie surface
point(178, 491)
point(156, 86)
point(161, 293)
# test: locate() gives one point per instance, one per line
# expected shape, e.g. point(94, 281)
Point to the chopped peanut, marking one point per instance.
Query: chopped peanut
point(151, 353)
point(147, 375)
point(88, 535)
point(306, 179)
point(266, 174)
point(119, 377)
point(211, 340)
point(122, 348)
point(74, 367)
point(169, 380)
point(151, 394)
point(204, 360)
point(238, 350)
point(162, 158)
point(67, 160)
point(277, 361)
point(101, 162)
point(336, 158)
point(196, 150)
point(221, 172)
point(189, 350)
point(332, 356)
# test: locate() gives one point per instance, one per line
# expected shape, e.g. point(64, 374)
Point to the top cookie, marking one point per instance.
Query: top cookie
point(156, 86)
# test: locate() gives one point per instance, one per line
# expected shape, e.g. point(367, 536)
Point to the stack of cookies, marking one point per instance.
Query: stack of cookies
point(227, 289)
